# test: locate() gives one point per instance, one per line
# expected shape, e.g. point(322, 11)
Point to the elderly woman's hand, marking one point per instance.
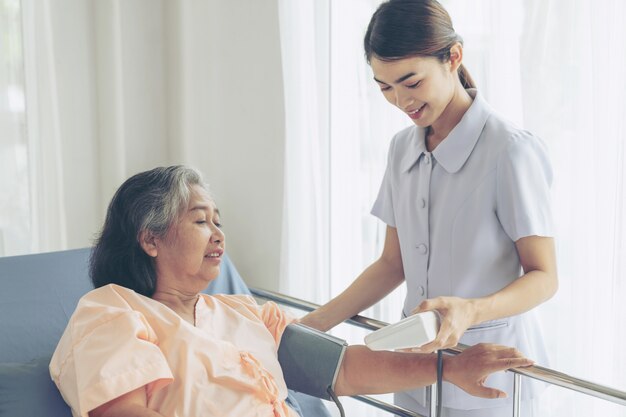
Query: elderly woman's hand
point(456, 315)
point(470, 369)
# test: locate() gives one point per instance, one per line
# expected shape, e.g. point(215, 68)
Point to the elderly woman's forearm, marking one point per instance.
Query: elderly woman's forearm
point(364, 371)
point(367, 372)
point(131, 404)
point(130, 411)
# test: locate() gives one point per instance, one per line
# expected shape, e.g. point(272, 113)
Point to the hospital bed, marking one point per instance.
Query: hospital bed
point(39, 292)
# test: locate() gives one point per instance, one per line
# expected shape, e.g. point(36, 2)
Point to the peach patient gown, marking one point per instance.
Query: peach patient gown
point(118, 340)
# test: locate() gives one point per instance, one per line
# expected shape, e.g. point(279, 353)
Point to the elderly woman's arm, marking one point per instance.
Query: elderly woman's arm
point(132, 404)
point(364, 371)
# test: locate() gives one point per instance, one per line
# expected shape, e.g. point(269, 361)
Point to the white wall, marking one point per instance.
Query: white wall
point(227, 93)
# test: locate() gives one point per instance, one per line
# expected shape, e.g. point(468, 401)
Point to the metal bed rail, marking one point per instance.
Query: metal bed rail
point(536, 372)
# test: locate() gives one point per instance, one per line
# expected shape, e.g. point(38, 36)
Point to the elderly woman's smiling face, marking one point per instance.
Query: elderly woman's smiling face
point(188, 258)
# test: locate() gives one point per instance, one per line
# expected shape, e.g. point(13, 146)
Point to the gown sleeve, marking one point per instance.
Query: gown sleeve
point(107, 350)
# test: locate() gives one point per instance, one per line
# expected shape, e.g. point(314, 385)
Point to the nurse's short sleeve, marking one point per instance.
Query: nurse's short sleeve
point(524, 177)
point(106, 354)
point(383, 206)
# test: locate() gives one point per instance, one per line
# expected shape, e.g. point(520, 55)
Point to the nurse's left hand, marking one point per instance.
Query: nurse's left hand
point(456, 315)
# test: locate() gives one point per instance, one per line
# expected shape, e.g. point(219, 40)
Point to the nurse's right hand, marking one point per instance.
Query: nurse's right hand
point(456, 316)
point(470, 369)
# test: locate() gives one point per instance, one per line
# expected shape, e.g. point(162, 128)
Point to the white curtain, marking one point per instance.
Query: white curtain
point(574, 87)
point(556, 67)
point(338, 129)
point(304, 245)
point(14, 198)
point(94, 77)
point(116, 87)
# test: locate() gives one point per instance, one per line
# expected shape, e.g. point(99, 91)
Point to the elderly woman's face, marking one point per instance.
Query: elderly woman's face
point(189, 256)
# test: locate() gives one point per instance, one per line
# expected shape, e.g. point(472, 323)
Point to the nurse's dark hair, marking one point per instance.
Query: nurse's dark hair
point(408, 28)
point(150, 201)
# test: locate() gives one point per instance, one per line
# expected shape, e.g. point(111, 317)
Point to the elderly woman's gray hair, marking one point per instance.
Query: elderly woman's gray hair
point(150, 201)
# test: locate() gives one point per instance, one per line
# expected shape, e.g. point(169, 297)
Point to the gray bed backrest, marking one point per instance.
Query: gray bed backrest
point(39, 292)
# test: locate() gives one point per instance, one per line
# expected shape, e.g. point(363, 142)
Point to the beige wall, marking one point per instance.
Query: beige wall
point(227, 92)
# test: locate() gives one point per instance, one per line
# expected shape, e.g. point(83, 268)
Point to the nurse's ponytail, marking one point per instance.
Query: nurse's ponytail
point(407, 28)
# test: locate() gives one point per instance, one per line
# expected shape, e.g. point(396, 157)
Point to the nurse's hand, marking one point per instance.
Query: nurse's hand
point(470, 369)
point(456, 315)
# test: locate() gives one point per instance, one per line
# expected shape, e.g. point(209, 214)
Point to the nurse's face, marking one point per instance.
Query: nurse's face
point(422, 87)
point(190, 254)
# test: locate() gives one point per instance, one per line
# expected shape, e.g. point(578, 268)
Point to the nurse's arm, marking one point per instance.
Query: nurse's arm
point(364, 371)
point(131, 404)
point(538, 284)
point(374, 283)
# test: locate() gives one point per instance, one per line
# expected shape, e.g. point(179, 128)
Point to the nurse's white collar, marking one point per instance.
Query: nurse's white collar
point(455, 149)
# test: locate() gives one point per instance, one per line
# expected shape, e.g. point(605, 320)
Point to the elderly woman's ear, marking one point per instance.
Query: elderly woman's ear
point(147, 241)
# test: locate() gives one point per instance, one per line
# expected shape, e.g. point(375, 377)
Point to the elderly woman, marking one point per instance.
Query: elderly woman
point(146, 342)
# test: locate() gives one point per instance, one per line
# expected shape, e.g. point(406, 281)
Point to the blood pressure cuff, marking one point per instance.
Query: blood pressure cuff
point(310, 360)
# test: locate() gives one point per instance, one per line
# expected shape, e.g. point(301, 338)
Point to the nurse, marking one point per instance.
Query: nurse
point(465, 197)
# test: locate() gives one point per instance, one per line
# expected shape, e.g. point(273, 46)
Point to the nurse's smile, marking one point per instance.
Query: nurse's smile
point(417, 113)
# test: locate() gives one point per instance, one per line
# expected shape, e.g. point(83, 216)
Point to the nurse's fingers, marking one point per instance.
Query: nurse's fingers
point(428, 305)
point(443, 340)
point(433, 347)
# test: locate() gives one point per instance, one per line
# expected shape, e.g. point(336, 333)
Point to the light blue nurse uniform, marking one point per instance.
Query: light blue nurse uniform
point(458, 211)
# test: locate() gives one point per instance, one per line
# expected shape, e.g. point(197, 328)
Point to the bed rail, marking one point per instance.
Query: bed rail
point(537, 372)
